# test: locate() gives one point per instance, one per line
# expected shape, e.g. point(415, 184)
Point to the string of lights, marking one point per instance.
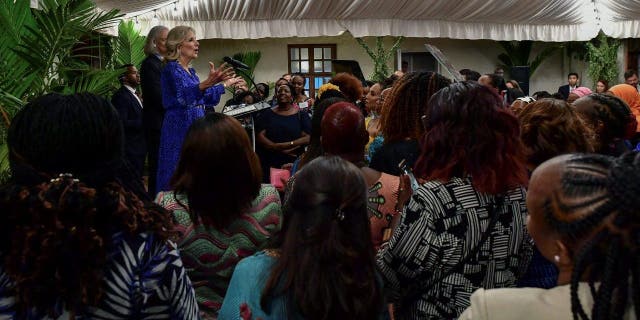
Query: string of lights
point(155, 20)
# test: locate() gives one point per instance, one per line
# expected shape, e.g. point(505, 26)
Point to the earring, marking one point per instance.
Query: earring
point(556, 258)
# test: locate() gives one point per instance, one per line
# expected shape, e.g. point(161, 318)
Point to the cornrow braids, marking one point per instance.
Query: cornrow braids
point(598, 203)
point(615, 114)
point(401, 113)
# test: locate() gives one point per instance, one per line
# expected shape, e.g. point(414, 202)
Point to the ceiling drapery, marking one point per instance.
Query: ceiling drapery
point(549, 20)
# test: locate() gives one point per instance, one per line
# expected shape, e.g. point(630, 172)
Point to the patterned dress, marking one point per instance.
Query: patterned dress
point(210, 255)
point(439, 226)
point(382, 198)
point(144, 279)
point(184, 103)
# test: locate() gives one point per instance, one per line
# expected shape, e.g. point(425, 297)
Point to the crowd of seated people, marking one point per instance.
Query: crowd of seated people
point(417, 197)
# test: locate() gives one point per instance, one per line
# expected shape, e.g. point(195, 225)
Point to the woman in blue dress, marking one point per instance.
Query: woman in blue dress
point(184, 97)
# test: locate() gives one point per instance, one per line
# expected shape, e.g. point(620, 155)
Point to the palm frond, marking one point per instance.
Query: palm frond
point(540, 57)
point(128, 46)
point(59, 26)
point(251, 59)
point(99, 82)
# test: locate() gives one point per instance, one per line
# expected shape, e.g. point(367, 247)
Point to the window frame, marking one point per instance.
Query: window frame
point(312, 75)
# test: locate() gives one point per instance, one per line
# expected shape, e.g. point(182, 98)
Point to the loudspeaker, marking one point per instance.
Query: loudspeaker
point(521, 74)
point(348, 66)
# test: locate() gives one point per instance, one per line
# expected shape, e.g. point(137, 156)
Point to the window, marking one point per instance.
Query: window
point(313, 61)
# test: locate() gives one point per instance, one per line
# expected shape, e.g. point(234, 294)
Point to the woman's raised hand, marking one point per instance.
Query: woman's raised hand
point(224, 72)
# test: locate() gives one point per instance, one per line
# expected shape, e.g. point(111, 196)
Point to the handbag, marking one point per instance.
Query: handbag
point(424, 284)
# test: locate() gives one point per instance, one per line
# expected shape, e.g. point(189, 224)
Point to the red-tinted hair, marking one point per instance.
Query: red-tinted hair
point(349, 85)
point(343, 131)
point(470, 132)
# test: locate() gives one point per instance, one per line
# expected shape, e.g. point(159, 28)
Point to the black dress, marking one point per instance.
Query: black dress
point(279, 128)
point(387, 157)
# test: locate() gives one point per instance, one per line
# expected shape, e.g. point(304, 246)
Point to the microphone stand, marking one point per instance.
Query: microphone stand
point(251, 124)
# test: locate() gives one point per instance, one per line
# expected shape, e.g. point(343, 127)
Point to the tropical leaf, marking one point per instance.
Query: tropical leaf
point(99, 82)
point(128, 45)
point(15, 74)
point(518, 53)
point(251, 59)
point(59, 26)
point(4, 163)
point(540, 57)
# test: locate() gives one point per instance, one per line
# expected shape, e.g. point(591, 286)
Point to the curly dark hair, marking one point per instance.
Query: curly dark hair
point(551, 127)
point(349, 85)
point(56, 233)
point(471, 132)
point(407, 102)
point(597, 205)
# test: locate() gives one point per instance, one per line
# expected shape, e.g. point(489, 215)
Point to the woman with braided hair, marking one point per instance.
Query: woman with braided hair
point(584, 215)
point(76, 242)
point(611, 121)
point(400, 120)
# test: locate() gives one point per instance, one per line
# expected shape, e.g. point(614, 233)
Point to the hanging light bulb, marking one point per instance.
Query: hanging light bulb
point(155, 21)
point(175, 11)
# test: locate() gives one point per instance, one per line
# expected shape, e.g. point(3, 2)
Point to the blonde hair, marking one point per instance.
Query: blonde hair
point(175, 37)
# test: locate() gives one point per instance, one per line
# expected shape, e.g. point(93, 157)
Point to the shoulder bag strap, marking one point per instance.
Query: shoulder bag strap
point(422, 284)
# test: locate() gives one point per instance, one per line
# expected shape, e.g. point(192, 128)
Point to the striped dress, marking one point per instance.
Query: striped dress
point(210, 255)
point(439, 226)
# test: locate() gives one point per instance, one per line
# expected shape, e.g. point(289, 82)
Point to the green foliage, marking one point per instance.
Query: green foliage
point(380, 57)
point(45, 50)
point(518, 53)
point(251, 59)
point(602, 55)
point(128, 46)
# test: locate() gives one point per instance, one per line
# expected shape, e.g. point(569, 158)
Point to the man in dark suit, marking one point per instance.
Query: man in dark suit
point(567, 88)
point(153, 112)
point(129, 108)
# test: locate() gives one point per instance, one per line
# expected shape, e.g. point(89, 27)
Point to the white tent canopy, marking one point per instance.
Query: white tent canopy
point(551, 20)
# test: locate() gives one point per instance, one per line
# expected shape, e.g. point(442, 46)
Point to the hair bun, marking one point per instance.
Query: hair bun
point(624, 174)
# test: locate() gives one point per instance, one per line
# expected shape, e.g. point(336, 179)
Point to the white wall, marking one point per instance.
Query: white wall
point(479, 55)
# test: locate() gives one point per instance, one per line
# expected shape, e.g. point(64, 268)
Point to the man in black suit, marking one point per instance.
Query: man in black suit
point(129, 108)
point(153, 112)
point(567, 88)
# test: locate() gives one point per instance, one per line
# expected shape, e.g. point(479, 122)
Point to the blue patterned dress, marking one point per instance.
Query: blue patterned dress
point(184, 103)
point(143, 279)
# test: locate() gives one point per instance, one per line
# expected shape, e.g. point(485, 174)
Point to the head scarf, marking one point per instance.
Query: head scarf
point(630, 96)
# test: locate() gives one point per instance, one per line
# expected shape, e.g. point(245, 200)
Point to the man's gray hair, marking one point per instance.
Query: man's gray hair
point(150, 43)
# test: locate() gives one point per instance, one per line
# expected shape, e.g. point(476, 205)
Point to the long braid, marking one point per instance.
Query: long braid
point(602, 307)
point(407, 102)
point(598, 203)
point(582, 260)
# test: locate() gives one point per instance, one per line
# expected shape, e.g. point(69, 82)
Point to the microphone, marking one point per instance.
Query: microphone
point(235, 63)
